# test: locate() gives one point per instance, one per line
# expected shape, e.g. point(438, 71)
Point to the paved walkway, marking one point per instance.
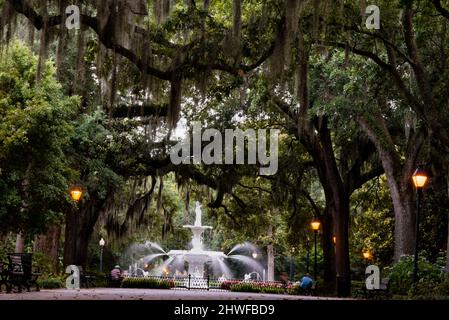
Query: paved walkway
point(147, 294)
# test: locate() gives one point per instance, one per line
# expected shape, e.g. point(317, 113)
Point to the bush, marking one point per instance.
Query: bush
point(259, 287)
point(401, 275)
point(431, 290)
point(51, 283)
point(275, 290)
point(442, 289)
point(147, 283)
point(244, 287)
point(226, 285)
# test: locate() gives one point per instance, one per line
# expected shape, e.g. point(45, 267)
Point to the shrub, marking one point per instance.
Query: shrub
point(431, 290)
point(226, 285)
point(244, 287)
point(261, 287)
point(401, 274)
point(148, 283)
point(51, 283)
point(275, 290)
point(442, 289)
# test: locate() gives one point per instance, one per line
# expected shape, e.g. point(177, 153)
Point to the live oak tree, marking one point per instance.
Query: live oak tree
point(152, 57)
point(34, 132)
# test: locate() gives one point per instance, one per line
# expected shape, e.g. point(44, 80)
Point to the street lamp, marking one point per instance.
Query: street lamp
point(101, 243)
point(315, 224)
point(308, 256)
point(76, 193)
point(419, 179)
point(292, 251)
point(334, 240)
point(367, 255)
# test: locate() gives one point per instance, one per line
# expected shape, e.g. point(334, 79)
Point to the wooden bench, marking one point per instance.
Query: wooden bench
point(377, 294)
point(4, 276)
point(113, 282)
point(20, 272)
point(86, 280)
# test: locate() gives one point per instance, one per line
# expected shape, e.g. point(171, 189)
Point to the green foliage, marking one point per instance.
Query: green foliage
point(35, 129)
point(51, 282)
point(372, 224)
point(42, 263)
point(147, 283)
point(401, 275)
point(259, 287)
point(428, 289)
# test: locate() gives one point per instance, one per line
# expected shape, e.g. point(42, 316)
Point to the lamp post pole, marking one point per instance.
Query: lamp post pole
point(415, 262)
point(315, 267)
point(101, 259)
point(101, 243)
point(419, 179)
point(291, 264)
point(308, 257)
point(315, 224)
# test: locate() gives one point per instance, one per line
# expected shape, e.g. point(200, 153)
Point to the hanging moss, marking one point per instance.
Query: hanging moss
point(362, 8)
point(175, 102)
point(206, 5)
point(80, 68)
point(291, 26)
point(62, 40)
point(161, 10)
point(277, 60)
point(316, 18)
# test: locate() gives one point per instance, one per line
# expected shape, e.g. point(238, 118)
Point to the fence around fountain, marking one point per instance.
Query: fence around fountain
point(211, 283)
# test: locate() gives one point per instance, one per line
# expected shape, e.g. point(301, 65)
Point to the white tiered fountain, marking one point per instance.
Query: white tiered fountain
point(197, 257)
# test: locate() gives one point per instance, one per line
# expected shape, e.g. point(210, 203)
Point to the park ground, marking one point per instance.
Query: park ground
point(148, 294)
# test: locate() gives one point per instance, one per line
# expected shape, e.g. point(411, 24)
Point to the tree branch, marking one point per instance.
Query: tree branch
point(444, 12)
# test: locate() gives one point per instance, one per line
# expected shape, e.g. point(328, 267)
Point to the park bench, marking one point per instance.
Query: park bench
point(86, 280)
point(113, 282)
point(4, 276)
point(382, 293)
point(19, 272)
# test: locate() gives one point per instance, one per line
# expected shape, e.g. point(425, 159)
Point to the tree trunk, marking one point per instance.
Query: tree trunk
point(79, 226)
point(328, 249)
point(404, 214)
point(447, 253)
point(342, 265)
point(76, 238)
point(270, 267)
point(398, 173)
point(337, 205)
point(48, 244)
point(270, 256)
point(20, 243)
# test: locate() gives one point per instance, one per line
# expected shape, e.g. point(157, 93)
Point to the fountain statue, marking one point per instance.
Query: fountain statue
point(197, 257)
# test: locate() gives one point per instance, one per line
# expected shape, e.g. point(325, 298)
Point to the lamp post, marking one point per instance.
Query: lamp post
point(419, 181)
point(315, 224)
point(76, 193)
point(367, 256)
point(308, 256)
point(101, 243)
point(292, 251)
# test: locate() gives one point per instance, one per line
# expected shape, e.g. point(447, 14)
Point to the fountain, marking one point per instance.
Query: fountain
point(197, 257)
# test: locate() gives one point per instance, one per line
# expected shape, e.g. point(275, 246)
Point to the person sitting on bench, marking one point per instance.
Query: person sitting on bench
point(306, 282)
point(116, 273)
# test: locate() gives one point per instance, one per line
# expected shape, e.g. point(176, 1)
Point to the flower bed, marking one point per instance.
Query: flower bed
point(259, 287)
point(148, 283)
